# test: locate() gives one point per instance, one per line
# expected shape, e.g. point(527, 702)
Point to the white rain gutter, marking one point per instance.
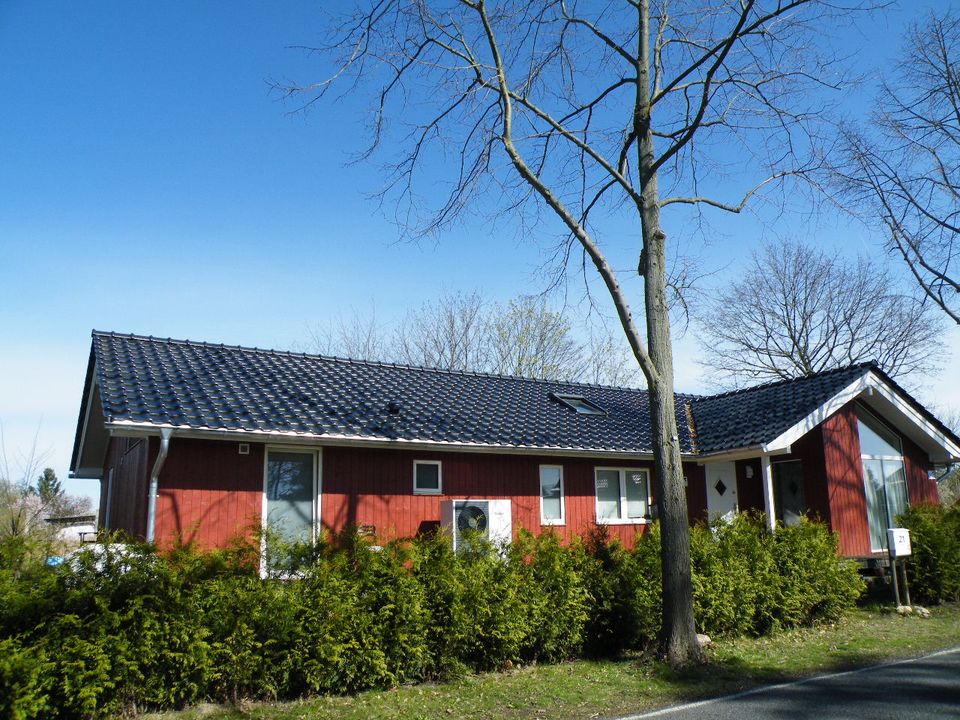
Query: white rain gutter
point(165, 435)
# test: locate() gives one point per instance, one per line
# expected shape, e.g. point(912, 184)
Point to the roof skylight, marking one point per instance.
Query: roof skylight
point(580, 404)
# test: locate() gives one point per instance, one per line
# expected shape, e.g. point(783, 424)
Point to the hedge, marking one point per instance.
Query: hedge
point(130, 630)
point(934, 568)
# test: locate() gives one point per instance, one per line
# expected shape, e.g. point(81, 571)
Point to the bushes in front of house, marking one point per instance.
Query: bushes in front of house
point(127, 629)
point(934, 568)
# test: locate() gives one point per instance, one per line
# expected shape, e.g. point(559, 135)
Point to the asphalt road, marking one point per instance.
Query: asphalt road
point(927, 687)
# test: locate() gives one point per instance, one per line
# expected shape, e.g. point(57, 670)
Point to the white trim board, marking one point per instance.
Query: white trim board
point(871, 388)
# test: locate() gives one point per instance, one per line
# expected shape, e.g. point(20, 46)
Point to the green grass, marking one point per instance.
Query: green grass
point(586, 689)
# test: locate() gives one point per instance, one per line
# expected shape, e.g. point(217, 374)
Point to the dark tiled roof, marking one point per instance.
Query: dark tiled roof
point(152, 381)
point(756, 415)
point(206, 386)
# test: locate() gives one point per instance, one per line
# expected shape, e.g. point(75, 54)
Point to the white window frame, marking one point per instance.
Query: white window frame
point(428, 491)
point(562, 520)
point(317, 483)
point(623, 497)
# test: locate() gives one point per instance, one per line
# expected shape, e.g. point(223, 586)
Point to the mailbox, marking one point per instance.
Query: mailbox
point(898, 541)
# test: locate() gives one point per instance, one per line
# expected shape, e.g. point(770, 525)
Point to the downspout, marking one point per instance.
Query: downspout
point(165, 435)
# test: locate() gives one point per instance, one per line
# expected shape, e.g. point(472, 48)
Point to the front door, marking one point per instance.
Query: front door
point(721, 490)
point(788, 491)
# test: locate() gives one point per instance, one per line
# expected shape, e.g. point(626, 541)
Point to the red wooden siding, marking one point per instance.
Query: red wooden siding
point(208, 493)
point(844, 473)
point(128, 459)
point(921, 488)
point(363, 486)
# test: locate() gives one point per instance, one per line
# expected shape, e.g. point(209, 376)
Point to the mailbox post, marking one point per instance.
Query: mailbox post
point(898, 545)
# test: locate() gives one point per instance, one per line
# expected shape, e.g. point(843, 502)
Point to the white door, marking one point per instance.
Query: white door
point(721, 490)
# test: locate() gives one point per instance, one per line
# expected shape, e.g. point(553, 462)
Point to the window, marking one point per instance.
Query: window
point(291, 494)
point(426, 477)
point(551, 495)
point(884, 479)
point(623, 495)
point(580, 404)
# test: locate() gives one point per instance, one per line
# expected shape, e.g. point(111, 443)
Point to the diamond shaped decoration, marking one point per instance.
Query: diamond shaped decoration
point(720, 487)
point(794, 487)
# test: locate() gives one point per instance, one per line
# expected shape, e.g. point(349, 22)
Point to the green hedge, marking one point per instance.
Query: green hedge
point(934, 568)
point(132, 630)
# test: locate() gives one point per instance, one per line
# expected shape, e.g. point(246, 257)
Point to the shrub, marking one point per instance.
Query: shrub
point(552, 594)
point(815, 585)
point(22, 694)
point(123, 629)
point(934, 568)
point(623, 588)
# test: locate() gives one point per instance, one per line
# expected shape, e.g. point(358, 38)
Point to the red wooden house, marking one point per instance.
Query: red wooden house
point(207, 441)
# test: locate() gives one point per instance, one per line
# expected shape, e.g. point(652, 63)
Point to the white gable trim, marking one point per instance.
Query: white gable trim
point(867, 384)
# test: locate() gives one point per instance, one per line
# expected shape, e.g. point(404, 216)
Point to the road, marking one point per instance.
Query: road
point(927, 687)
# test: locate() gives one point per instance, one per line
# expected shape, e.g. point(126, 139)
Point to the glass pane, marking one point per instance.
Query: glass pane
point(608, 494)
point(290, 494)
point(551, 500)
point(788, 491)
point(428, 476)
point(896, 481)
point(636, 494)
point(875, 439)
point(876, 503)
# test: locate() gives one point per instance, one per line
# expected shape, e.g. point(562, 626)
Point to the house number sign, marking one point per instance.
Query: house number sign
point(898, 540)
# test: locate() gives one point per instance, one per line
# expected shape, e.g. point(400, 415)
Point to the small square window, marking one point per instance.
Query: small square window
point(579, 404)
point(426, 477)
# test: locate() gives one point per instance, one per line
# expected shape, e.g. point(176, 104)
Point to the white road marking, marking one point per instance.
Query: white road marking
point(766, 688)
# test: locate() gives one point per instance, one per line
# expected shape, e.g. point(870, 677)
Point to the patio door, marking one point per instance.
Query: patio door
point(721, 490)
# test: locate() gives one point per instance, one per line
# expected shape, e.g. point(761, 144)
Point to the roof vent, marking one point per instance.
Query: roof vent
point(393, 408)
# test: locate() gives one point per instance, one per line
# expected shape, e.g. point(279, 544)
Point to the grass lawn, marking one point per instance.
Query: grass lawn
point(585, 689)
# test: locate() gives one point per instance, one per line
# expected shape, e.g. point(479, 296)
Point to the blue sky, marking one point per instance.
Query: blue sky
point(150, 182)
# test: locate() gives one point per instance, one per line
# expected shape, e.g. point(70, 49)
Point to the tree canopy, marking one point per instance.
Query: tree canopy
point(904, 169)
point(797, 310)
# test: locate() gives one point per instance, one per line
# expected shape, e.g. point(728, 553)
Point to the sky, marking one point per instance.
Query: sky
point(152, 182)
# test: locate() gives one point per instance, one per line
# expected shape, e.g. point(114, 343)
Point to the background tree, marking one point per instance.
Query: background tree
point(905, 171)
point(797, 310)
point(462, 331)
point(595, 113)
point(25, 537)
point(449, 333)
point(48, 486)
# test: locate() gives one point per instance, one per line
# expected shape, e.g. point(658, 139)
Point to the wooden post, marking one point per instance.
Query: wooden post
point(767, 471)
point(896, 584)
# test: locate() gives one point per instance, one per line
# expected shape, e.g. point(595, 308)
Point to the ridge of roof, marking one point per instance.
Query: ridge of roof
point(368, 363)
point(868, 364)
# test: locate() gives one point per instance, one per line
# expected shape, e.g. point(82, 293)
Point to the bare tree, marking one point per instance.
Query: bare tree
point(797, 310)
point(449, 333)
point(356, 336)
point(906, 173)
point(528, 339)
point(462, 331)
point(591, 112)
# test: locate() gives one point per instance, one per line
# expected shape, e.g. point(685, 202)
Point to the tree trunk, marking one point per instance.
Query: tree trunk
point(678, 634)
point(678, 638)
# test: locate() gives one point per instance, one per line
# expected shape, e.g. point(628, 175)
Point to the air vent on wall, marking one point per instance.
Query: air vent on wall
point(244, 448)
